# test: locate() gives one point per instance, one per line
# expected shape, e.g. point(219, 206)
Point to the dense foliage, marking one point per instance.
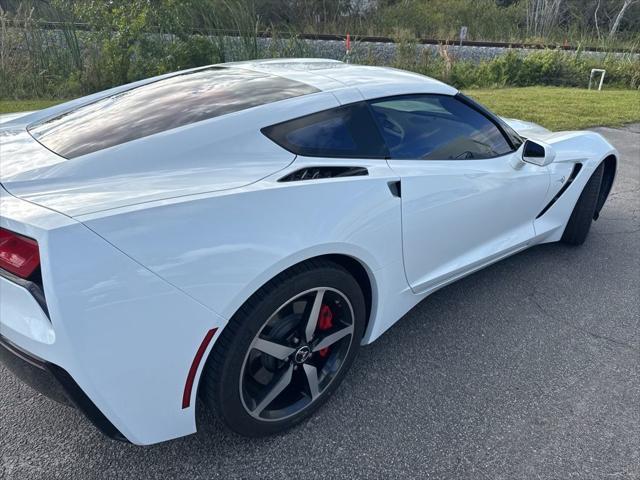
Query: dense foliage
point(544, 67)
point(554, 21)
point(99, 43)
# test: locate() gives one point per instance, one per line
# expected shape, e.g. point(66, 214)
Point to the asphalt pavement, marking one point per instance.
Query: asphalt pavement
point(527, 369)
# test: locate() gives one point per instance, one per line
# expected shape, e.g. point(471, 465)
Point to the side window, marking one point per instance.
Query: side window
point(515, 139)
point(343, 132)
point(436, 127)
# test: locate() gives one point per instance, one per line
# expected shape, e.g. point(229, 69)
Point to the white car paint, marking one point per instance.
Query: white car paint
point(149, 245)
point(480, 195)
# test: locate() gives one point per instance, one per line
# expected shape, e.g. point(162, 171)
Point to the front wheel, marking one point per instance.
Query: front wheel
point(286, 350)
point(580, 221)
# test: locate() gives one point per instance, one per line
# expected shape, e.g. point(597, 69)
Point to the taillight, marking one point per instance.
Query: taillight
point(18, 255)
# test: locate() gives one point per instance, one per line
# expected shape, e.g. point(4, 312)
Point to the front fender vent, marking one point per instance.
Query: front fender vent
point(574, 173)
point(317, 173)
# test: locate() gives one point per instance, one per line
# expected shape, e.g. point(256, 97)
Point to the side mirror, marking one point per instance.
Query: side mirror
point(538, 153)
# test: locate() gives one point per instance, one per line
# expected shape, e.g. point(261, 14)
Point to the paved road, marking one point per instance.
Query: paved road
point(528, 369)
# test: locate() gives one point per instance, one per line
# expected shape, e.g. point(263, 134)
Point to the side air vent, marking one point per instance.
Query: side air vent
point(574, 173)
point(316, 173)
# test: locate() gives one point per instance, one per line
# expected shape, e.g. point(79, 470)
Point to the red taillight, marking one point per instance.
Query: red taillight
point(18, 255)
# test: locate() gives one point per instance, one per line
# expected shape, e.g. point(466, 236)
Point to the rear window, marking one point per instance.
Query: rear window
point(162, 105)
point(342, 132)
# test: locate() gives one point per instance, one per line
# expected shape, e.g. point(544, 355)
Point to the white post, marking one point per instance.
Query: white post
point(597, 70)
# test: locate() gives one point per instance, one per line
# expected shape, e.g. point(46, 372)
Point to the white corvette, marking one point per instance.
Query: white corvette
point(234, 233)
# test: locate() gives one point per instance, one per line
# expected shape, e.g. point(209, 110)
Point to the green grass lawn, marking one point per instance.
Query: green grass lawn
point(552, 107)
point(10, 106)
point(563, 108)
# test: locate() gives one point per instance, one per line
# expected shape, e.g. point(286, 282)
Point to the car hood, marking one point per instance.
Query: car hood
point(569, 146)
point(177, 163)
point(524, 128)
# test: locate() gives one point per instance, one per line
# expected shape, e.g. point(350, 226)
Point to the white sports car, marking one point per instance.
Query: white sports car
point(235, 232)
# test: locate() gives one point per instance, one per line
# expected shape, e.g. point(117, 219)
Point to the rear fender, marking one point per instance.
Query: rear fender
point(125, 336)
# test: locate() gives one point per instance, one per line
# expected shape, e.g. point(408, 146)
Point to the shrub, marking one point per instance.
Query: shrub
point(546, 67)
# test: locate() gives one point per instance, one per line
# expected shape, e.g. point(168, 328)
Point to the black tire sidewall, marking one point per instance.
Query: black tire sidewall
point(579, 223)
point(228, 404)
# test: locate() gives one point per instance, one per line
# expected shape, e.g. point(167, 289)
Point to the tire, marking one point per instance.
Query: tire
point(580, 221)
point(233, 384)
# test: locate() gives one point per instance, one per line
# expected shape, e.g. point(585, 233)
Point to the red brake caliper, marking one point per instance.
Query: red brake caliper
point(325, 322)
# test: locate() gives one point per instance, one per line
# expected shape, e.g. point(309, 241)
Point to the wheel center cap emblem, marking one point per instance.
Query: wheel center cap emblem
point(302, 354)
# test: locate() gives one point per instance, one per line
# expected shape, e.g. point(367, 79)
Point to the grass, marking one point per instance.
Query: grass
point(552, 107)
point(563, 108)
point(11, 106)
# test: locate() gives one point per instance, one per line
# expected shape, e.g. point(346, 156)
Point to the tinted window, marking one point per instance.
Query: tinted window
point(515, 139)
point(343, 132)
point(436, 127)
point(162, 105)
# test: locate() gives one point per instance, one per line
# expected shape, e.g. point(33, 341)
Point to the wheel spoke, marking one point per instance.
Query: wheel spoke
point(274, 390)
point(276, 350)
point(312, 321)
point(333, 338)
point(297, 353)
point(312, 379)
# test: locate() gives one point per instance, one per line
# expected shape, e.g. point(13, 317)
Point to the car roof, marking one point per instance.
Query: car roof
point(286, 88)
point(346, 82)
point(336, 76)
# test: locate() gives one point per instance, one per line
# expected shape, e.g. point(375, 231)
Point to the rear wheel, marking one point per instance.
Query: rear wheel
point(580, 221)
point(286, 350)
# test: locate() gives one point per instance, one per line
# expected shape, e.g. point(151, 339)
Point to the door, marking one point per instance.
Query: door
point(465, 202)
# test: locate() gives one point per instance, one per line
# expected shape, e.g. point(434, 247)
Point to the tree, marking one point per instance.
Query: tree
point(623, 10)
point(543, 15)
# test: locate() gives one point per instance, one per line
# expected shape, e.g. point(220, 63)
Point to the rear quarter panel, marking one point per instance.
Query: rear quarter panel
point(221, 248)
point(126, 336)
